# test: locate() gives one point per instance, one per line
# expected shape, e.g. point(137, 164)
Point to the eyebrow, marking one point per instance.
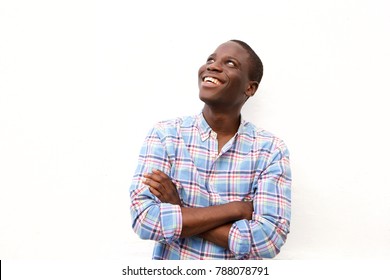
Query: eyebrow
point(228, 57)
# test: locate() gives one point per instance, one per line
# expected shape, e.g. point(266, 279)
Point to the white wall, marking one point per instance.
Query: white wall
point(81, 82)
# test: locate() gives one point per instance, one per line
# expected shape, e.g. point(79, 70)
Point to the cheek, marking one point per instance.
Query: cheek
point(236, 83)
point(202, 69)
point(241, 81)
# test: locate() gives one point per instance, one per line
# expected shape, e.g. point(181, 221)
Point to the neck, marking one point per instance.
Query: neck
point(222, 123)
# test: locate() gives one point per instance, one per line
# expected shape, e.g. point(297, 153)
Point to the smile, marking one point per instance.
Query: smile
point(211, 80)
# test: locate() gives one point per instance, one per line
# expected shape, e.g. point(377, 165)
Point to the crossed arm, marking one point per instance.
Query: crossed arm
point(212, 223)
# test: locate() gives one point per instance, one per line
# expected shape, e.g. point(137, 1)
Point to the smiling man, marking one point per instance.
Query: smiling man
point(213, 186)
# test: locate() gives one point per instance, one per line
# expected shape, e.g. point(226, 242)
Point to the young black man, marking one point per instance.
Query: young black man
point(214, 186)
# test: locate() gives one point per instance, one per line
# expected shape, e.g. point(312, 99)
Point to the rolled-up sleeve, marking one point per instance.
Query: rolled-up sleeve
point(152, 219)
point(264, 235)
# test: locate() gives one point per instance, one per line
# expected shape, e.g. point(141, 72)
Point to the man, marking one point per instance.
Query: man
point(213, 186)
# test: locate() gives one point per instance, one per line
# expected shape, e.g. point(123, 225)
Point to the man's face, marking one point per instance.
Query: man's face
point(224, 79)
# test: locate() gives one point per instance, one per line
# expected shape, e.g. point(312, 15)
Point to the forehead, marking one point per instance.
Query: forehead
point(232, 49)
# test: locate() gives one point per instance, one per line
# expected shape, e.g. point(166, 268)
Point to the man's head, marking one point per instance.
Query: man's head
point(230, 76)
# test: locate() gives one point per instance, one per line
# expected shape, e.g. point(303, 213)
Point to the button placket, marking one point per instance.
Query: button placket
point(213, 197)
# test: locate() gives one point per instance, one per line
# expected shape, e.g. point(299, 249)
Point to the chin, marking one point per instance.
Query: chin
point(205, 98)
point(209, 101)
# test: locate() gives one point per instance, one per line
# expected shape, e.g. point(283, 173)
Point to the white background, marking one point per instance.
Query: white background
point(81, 83)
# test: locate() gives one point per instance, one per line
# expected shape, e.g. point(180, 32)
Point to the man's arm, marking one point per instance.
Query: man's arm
point(266, 232)
point(197, 221)
point(218, 235)
point(152, 219)
point(201, 220)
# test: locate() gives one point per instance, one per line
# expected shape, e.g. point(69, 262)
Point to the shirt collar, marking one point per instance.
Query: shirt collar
point(205, 130)
point(203, 127)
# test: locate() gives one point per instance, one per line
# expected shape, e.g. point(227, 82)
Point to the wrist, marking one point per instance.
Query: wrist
point(238, 210)
point(245, 210)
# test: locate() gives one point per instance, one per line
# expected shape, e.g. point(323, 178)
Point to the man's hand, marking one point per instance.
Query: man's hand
point(162, 187)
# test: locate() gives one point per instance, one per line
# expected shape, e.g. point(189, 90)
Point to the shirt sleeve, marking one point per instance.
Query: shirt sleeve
point(152, 219)
point(266, 233)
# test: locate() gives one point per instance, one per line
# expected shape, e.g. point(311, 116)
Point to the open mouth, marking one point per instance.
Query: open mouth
point(211, 80)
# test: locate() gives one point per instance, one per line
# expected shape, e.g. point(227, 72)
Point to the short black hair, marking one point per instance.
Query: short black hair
point(256, 66)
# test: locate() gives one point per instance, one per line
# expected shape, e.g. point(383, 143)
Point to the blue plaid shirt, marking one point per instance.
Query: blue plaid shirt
point(254, 165)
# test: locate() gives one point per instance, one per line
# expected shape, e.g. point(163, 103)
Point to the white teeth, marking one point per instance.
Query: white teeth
point(212, 80)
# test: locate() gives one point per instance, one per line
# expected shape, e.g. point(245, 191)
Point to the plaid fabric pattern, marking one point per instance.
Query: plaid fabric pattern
point(254, 165)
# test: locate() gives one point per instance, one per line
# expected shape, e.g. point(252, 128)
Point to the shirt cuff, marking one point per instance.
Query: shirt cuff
point(240, 239)
point(171, 222)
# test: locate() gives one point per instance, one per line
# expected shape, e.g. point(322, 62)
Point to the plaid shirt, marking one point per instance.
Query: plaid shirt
point(254, 165)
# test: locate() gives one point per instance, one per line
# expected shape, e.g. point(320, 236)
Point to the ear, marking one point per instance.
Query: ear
point(251, 88)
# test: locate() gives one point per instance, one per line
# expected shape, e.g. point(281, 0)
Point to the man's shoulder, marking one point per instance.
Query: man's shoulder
point(257, 131)
point(174, 125)
point(178, 121)
point(262, 137)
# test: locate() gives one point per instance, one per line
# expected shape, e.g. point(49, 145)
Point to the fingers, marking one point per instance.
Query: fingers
point(155, 187)
point(158, 179)
point(155, 192)
point(158, 176)
point(162, 187)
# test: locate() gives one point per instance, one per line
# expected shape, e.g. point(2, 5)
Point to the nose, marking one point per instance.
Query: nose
point(214, 66)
